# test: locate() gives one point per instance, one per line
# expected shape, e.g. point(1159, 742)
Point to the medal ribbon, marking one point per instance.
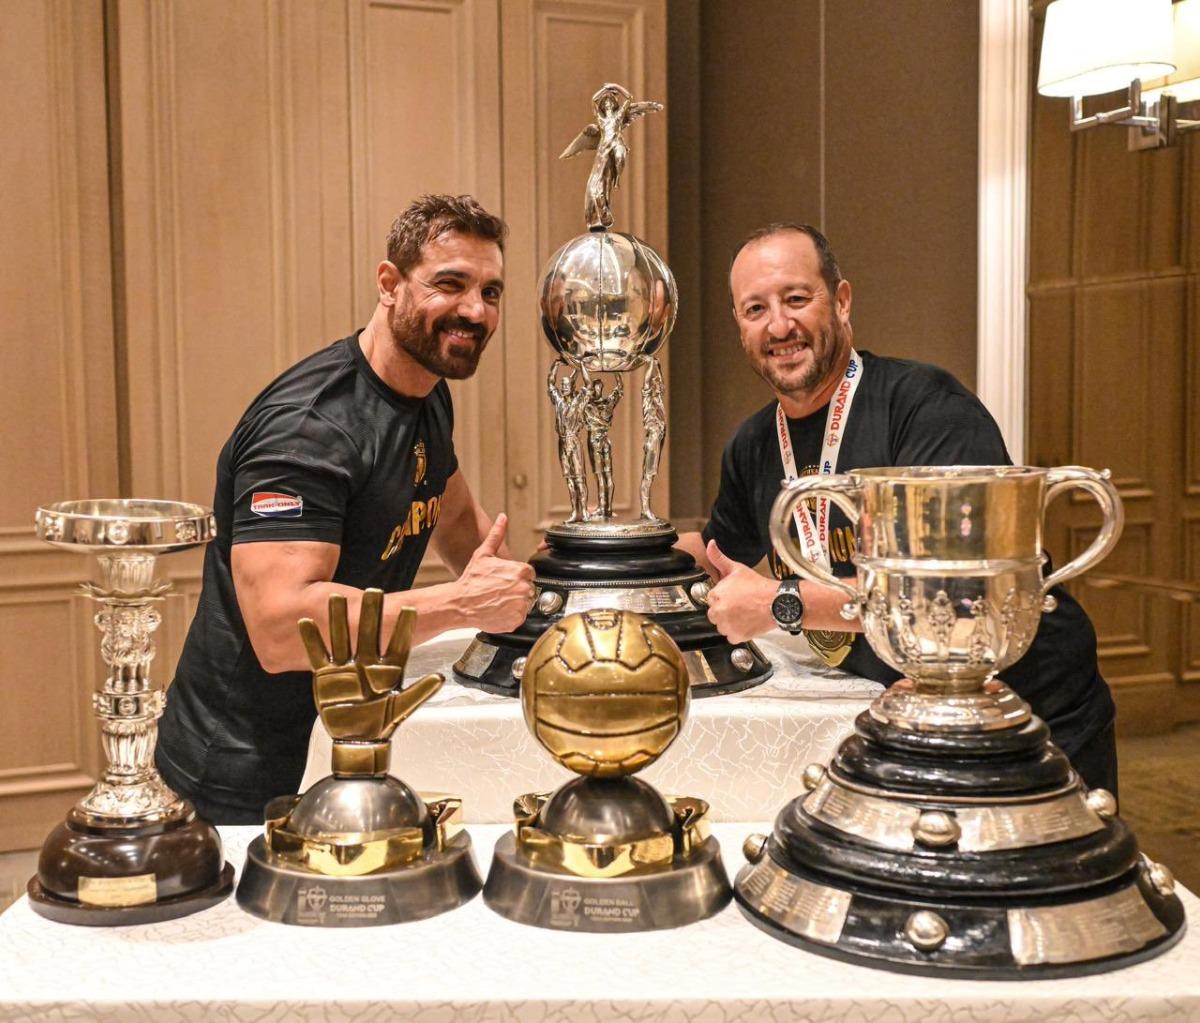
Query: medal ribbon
point(814, 536)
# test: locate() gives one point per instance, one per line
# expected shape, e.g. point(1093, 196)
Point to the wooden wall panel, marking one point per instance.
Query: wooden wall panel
point(547, 102)
point(58, 415)
point(425, 117)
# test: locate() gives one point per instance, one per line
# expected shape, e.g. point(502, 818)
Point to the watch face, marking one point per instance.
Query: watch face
point(787, 608)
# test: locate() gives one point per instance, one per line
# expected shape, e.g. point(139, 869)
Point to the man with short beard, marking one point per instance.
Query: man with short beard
point(792, 308)
point(336, 479)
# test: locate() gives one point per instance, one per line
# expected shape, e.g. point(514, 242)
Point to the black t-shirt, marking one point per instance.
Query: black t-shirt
point(907, 413)
point(327, 452)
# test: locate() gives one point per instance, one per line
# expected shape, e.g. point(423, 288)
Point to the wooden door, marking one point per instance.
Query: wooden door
point(556, 54)
point(1114, 335)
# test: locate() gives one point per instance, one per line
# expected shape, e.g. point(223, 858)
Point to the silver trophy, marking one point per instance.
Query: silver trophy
point(608, 304)
point(131, 851)
point(948, 835)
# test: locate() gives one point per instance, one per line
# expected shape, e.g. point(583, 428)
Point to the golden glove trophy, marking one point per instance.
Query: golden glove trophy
point(131, 851)
point(949, 836)
point(606, 692)
point(360, 847)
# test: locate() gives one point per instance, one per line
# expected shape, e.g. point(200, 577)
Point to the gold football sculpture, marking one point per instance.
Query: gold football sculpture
point(606, 692)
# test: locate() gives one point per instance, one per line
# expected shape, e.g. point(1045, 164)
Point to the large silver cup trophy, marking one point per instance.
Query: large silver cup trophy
point(132, 850)
point(608, 304)
point(948, 835)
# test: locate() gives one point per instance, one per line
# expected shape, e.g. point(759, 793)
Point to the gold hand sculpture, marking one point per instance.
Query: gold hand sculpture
point(360, 696)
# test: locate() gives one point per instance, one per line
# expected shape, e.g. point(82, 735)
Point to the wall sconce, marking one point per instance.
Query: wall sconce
point(1149, 47)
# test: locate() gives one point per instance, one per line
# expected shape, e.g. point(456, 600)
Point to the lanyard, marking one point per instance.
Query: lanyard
point(814, 536)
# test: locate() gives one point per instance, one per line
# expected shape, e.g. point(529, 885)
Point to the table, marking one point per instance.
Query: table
point(471, 964)
point(744, 752)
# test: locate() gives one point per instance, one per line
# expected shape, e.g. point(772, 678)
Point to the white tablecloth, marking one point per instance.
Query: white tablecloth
point(471, 964)
point(743, 752)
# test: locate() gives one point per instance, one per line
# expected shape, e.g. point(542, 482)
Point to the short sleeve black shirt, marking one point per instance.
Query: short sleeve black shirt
point(907, 413)
point(327, 452)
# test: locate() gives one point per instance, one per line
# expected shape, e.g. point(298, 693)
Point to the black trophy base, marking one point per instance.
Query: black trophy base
point(636, 570)
point(1000, 940)
point(976, 855)
point(278, 890)
point(96, 875)
point(689, 890)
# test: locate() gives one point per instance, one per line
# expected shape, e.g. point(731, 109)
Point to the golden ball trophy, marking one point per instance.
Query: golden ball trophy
point(131, 851)
point(606, 692)
point(949, 836)
point(360, 847)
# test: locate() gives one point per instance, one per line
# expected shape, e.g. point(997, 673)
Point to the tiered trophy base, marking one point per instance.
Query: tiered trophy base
point(969, 853)
point(628, 566)
point(95, 874)
point(358, 851)
point(607, 855)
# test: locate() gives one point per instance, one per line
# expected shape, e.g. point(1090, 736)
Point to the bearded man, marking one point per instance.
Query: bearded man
point(792, 308)
point(336, 479)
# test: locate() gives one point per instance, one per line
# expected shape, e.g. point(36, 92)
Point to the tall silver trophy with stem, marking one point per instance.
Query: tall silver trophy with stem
point(608, 302)
point(948, 835)
point(132, 850)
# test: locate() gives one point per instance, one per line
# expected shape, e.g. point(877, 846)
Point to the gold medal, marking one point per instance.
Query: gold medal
point(832, 647)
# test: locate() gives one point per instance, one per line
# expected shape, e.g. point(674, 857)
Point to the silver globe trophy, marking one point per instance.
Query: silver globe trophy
point(131, 851)
point(608, 304)
point(948, 835)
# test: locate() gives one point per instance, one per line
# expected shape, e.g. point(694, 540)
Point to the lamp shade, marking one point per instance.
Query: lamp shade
point(1091, 47)
point(1184, 82)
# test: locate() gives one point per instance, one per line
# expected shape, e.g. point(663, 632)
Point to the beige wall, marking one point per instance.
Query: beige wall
point(857, 116)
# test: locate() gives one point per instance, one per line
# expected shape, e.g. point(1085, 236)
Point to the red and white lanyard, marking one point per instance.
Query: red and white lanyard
point(814, 537)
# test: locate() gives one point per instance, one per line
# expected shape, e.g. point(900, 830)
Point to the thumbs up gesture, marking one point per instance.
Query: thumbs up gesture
point(739, 605)
point(494, 594)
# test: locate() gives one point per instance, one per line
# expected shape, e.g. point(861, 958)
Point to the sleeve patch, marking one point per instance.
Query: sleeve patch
point(270, 505)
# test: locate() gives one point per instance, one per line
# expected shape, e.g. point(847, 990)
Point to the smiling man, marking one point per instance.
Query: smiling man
point(336, 479)
point(792, 309)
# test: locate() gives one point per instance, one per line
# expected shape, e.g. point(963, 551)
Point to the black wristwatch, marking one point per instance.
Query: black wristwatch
point(788, 607)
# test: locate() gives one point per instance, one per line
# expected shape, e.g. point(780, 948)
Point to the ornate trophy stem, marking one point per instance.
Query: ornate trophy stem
point(654, 431)
point(128, 707)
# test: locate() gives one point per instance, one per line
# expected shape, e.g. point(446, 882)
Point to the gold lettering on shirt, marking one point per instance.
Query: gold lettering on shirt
point(422, 515)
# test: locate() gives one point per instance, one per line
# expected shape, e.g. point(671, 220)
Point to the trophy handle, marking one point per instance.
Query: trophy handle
point(1097, 484)
point(843, 491)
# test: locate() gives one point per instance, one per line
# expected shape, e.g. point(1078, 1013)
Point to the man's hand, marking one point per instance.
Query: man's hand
point(493, 593)
point(739, 605)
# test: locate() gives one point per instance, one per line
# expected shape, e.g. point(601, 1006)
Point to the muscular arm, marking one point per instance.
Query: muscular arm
point(278, 583)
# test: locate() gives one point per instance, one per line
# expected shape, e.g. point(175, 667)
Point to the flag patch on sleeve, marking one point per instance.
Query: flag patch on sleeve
point(276, 506)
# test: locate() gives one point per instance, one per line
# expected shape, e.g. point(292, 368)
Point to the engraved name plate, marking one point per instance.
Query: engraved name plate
point(1121, 922)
